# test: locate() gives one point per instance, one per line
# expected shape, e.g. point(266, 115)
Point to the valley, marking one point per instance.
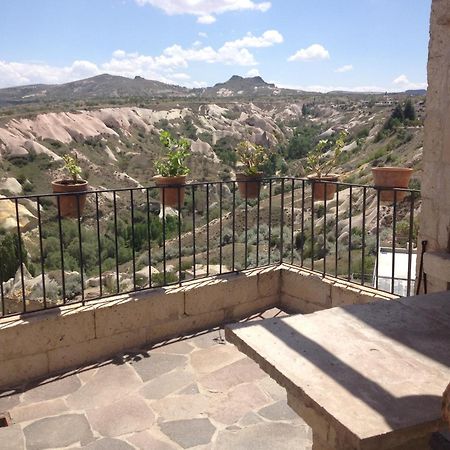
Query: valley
point(117, 143)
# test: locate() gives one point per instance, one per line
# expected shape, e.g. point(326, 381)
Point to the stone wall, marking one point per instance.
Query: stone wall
point(304, 292)
point(435, 217)
point(47, 342)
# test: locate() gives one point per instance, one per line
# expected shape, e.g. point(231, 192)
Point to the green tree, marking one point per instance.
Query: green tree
point(189, 129)
point(302, 142)
point(398, 113)
point(10, 255)
point(409, 112)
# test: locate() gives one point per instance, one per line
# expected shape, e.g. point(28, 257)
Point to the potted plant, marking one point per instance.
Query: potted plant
point(252, 157)
point(172, 170)
point(71, 205)
point(391, 177)
point(320, 162)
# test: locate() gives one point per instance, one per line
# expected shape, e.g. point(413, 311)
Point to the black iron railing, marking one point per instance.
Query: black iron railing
point(128, 239)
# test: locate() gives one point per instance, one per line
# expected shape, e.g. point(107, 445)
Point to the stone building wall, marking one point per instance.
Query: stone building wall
point(435, 217)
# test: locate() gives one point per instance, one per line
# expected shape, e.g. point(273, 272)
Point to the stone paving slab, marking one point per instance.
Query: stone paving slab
point(198, 393)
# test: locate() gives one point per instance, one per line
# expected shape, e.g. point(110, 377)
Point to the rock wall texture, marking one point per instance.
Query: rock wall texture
point(435, 217)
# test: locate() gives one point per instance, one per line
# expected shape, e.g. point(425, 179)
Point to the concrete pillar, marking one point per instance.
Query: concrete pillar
point(435, 217)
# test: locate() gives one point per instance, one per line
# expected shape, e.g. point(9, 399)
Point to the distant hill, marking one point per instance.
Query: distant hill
point(100, 86)
point(116, 87)
point(238, 86)
point(418, 92)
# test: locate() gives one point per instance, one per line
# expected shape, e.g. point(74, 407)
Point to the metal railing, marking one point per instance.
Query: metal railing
point(126, 240)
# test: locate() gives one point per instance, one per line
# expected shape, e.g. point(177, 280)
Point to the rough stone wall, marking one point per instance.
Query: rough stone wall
point(48, 342)
point(435, 217)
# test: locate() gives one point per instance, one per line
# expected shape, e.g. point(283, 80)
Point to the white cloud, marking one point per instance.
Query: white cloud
point(330, 88)
point(199, 84)
point(344, 69)
point(173, 59)
point(179, 56)
point(206, 20)
point(15, 73)
point(205, 9)
point(119, 53)
point(403, 82)
point(267, 39)
point(180, 76)
point(253, 73)
point(202, 34)
point(312, 53)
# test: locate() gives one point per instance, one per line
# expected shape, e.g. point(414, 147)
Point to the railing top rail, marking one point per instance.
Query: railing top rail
point(205, 183)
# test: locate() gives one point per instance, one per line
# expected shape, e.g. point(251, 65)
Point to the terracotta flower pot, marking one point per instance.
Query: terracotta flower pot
point(249, 185)
point(319, 189)
point(170, 188)
point(391, 177)
point(69, 204)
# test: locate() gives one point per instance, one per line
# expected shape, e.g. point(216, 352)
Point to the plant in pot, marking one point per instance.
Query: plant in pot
point(320, 162)
point(172, 170)
point(252, 157)
point(71, 205)
point(387, 178)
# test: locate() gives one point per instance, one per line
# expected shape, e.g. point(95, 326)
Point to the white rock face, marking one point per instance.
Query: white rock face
point(110, 154)
point(39, 149)
point(204, 149)
point(11, 185)
point(143, 273)
point(8, 222)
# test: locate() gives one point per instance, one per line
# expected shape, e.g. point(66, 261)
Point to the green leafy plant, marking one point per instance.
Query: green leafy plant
point(252, 157)
point(72, 167)
point(319, 161)
point(174, 164)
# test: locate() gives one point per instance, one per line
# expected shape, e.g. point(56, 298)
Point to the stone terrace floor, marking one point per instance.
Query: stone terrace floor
point(199, 393)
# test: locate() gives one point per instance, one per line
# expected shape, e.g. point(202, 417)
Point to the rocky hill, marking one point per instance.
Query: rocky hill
point(98, 87)
point(238, 86)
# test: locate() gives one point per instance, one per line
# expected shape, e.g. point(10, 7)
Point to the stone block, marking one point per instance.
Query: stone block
point(295, 305)
point(138, 311)
point(307, 286)
point(215, 294)
point(46, 330)
point(269, 281)
point(244, 310)
point(13, 372)
point(94, 350)
point(343, 294)
point(188, 324)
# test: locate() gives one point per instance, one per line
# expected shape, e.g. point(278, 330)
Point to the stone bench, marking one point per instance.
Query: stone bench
point(362, 377)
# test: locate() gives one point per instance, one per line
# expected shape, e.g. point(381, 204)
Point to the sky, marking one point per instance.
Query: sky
point(316, 45)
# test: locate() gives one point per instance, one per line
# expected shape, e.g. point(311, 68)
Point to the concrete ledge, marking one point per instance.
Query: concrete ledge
point(347, 371)
point(303, 291)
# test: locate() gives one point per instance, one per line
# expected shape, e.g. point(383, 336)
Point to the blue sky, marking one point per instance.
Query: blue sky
point(309, 44)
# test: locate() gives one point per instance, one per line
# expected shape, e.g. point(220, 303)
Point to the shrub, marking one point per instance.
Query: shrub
point(158, 278)
point(10, 255)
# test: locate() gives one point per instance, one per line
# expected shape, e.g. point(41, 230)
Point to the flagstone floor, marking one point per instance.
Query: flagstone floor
point(198, 393)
